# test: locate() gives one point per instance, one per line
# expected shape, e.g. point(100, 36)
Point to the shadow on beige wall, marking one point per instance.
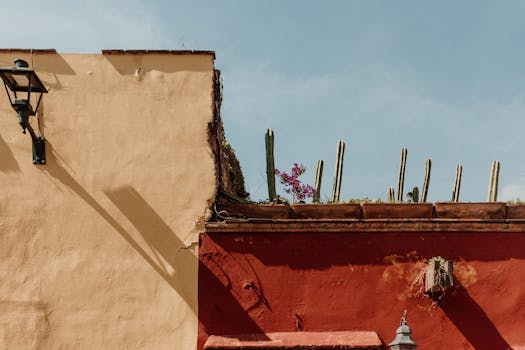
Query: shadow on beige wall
point(170, 252)
point(128, 64)
point(8, 162)
point(52, 63)
point(160, 238)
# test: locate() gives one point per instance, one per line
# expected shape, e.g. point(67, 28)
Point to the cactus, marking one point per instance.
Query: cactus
point(415, 194)
point(493, 182)
point(318, 178)
point(401, 177)
point(428, 166)
point(338, 172)
point(457, 183)
point(391, 195)
point(270, 166)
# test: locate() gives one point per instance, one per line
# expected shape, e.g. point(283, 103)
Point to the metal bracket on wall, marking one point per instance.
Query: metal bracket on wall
point(39, 146)
point(39, 150)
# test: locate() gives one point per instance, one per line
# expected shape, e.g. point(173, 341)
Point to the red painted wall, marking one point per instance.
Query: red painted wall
point(269, 282)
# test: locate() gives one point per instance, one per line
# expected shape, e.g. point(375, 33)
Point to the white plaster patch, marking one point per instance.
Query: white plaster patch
point(156, 75)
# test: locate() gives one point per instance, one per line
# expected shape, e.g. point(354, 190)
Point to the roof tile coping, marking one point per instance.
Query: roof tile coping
point(171, 52)
point(497, 211)
point(296, 340)
point(7, 50)
point(117, 51)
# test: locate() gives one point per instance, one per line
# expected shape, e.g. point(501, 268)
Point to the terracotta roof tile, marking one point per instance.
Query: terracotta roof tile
point(4, 50)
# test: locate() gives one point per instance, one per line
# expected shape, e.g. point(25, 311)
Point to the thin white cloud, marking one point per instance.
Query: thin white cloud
point(513, 192)
point(378, 112)
point(83, 26)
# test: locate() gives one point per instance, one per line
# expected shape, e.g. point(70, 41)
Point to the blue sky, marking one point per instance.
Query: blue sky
point(445, 79)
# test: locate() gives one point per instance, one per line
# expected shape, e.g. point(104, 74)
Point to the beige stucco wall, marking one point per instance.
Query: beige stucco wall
point(98, 247)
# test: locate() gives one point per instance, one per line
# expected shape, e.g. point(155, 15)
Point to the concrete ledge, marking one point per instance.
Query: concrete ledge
point(296, 340)
point(370, 226)
point(375, 211)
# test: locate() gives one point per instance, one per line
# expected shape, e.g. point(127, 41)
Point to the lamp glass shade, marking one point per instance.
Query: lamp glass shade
point(21, 80)
point(17, 80)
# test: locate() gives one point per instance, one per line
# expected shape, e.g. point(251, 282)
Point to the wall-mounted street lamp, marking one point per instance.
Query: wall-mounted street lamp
point(439, 277)
point(20, 82)
point(403, 339)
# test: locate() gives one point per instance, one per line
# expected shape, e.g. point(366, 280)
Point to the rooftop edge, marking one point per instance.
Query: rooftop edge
point(431, 213)
point(116, 51)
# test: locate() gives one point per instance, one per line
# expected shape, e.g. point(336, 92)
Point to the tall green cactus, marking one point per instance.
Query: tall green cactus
point(401, 175)
point(415, 194)
point(457, 183)
point(318, 178)
point(493, 182)
point(426, 181)
point(338, 172)
point(270, 165)
point(391, 195)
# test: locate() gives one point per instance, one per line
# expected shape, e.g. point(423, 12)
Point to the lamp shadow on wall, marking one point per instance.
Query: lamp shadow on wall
point(470, 319)
point(8, 162)
point(168, 248)
point(171, 259)
point(161, 239)
point(230, 292)
point(54, 169)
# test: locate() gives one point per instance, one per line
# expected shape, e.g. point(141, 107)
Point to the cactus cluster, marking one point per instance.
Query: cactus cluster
point(414, 195)
point(392, 196)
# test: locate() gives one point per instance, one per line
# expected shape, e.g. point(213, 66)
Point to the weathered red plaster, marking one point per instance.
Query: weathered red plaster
point(336, 276)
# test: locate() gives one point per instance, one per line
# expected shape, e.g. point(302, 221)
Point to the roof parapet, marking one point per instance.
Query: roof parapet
point(145, 52)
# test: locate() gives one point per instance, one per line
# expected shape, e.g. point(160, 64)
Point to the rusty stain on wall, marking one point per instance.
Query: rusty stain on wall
point(465, 273)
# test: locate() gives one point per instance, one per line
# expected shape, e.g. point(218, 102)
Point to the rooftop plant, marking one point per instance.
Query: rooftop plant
point(293, 185)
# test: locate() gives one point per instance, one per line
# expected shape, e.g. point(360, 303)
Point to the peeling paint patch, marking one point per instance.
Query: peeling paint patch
point(393, 272)
point(395, 258)
point(465, 273)
point(190, 245)
point(358, 268)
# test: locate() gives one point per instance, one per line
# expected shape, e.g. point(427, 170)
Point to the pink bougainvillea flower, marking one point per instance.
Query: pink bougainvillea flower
point(293, 185)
